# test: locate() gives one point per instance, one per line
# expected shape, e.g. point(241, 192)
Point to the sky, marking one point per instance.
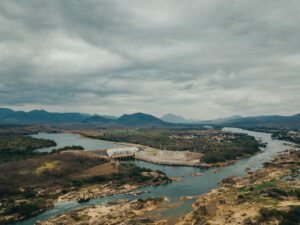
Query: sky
point(199, 59)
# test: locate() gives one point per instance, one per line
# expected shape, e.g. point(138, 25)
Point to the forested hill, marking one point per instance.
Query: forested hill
point(8, 116)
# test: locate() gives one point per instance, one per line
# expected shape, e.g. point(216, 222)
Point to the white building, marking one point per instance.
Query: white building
point(122, 151)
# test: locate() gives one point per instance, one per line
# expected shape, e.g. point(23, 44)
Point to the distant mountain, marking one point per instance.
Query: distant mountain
point(8, 116)
point(269, 121)
point(38, 116)
point(272, 121)
point(139, 119)
point(110, 117)
point(98, 119)
point(5, 112)
point(172, 118)
point(223, 120)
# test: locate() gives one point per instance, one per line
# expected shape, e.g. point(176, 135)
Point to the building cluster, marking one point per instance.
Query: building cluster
point(218, 136)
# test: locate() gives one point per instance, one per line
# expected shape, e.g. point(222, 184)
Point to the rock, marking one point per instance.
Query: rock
point(83, 199)
point(184, 198)
point(176, 179)
point(196, 174)
point(222, 201)
point(229, 181)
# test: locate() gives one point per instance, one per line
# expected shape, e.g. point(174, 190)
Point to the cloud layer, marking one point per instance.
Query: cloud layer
point(201, 59)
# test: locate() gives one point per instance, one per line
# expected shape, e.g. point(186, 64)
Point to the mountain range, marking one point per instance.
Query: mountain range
point(9, 116)
point(266, 121)
point(173, 118)
point(269, 121)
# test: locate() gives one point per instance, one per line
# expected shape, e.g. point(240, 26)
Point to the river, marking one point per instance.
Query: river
point(67, 139)
point(188, 186)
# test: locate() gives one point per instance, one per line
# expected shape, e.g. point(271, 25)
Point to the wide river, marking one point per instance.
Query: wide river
point(188, 186)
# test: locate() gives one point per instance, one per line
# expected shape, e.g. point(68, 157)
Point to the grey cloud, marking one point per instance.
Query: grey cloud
point(201, 59)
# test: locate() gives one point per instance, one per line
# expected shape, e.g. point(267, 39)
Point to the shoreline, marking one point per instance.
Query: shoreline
point(108, 190)
point(101, 191)
point(202, 166)
point(214, 206)
point(242, 199)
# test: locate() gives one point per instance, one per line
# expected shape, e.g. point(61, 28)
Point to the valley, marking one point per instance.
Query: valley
point(90, 178)
point(149, 112)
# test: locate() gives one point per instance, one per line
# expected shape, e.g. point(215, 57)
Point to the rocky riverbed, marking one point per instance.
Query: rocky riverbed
point(274, 189)
point(116, 212)
point(99, 191)
point(270, 195)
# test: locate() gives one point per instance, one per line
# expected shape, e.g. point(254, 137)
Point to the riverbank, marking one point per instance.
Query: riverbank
point(269, 194)
point(31, 186)
point(90, 192)
point(116, 212)
point(273, 190)
point(174, 158)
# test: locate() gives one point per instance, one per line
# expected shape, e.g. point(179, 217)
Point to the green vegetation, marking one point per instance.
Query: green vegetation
point(264, 185)
point(259, 187)
point(242, 145)
point(128, 173)
point(17, 177)
point(30, 180)
point(272, 192)
point(14, 147)
point(25, 209)
point(292, 136)
point(216, 145)
point(73, 147)
point(272, 189)
point(289, 217)
point(28, 186)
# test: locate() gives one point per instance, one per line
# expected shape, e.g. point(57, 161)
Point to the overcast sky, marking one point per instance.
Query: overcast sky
point(200, 59)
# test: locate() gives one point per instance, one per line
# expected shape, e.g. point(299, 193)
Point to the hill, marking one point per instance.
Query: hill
point(272, 121)
point(38, 116)
point(172, 118)
point(8, 116)
point(139, 119)
point(98, 119)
